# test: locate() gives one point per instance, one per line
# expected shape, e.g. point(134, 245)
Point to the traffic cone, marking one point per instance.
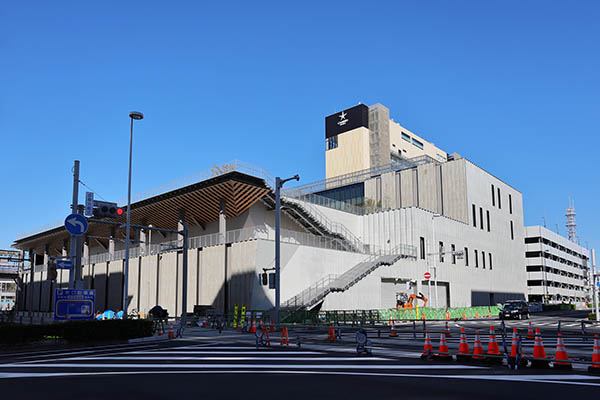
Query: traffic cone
point(477, 314)
point(595, 367)
point(493, 348)
point(160, 330)
point(330, 334)
point(171, 333)
point(561, 360)
point(443, 353)
point(489, 313)
point(272, 329)
point(391, 322)
point(530, 332)
point(464, 315)
point(253, 327)
point(463, 347)
point(285, 340)
point(427, 349)
point(514, 348)
point(447, 316)
point(477, 348)
point(393, 332)
point(539, 353)
point(265, 331)
point(447, 330)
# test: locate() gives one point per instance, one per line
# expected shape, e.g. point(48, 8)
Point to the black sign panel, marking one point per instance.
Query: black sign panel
point(347, 120)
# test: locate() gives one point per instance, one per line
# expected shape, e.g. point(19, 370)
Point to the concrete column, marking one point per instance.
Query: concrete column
point(86, 272)
point(46, 294)
point(222, 222)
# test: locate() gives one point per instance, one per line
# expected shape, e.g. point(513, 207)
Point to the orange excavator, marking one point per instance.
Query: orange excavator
point(403, 303)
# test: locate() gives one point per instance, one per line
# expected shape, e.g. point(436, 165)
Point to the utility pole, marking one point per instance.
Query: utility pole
point(278, 185)
point(595, 284)
point(184, 275)
point(74, 239)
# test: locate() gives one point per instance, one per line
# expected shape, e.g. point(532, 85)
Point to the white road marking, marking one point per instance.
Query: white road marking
point(167, 358)
point(255, 366)
point(553, 379)
point(265, 352)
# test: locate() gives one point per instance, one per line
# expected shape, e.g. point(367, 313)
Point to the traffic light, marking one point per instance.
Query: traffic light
point(104, 209)
point(52, 273)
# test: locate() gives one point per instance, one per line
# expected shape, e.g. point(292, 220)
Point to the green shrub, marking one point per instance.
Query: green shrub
point(592, 316)
point(11, 334)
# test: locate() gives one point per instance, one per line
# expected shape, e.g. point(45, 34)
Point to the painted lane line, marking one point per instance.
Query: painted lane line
point(217, 352)
point(167, 358)
point(59, 356)
point(552, 379)
point(57, 353)
point(256, 366)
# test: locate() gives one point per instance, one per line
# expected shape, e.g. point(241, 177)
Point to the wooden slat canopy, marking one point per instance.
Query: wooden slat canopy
point(200, 203)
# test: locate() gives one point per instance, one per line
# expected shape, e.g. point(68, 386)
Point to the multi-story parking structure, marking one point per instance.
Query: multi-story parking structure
point(557, 268)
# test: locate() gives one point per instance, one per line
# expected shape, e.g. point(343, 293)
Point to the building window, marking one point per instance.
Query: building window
point(406, 137)
point(441, 251)
point(417, 143)
point(332, 142)
point(466, 257)
point(533, 240)
point(481, 217)
point(483, 259)
point(490, 256)
point(422, 247)
point(488, 219)
point(499, 200)
point(474, 216)
point(510, 203)
point(453, 247)
point(512, 232)
point(493, 197)
point(476, 259)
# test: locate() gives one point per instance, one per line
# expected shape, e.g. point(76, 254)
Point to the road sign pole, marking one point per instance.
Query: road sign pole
point(184, 276)
point(595, 284)
point(74, 239)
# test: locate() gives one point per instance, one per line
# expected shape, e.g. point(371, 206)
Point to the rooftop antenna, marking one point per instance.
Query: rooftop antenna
point(557, 230)
point(570, 214)
point(544, 218)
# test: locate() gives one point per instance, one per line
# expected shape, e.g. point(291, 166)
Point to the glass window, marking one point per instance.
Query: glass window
point(476, 259)
point(488, 219)
point(512, 233)
point(510, 203)
point(332, 143)
point(490, 256)
point(493, 196)
point(422, 247)
point(453, 247)
point(466, 257)
point(406, 137)
point(483, 259)
point(474, 216)
point(499, 199)
point(441, 252)
point(481, 217)
point(417, 143)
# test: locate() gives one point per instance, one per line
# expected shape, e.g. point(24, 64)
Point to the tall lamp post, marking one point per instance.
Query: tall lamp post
point(435, 254)
point(137, 116)
point(278, 185)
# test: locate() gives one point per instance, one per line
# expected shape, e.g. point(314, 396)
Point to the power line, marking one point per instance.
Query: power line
point(80, 181)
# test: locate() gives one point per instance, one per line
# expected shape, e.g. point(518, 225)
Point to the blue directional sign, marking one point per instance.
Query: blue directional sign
point(76, 224)
point(64, 264)
point(72, 304)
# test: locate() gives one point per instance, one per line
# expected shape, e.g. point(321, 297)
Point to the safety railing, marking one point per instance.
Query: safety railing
point(312, 294)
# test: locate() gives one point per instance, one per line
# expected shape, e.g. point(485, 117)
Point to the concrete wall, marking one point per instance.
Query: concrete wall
point(351, 155)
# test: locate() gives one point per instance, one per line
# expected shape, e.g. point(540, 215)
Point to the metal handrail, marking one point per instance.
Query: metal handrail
point(301, 299)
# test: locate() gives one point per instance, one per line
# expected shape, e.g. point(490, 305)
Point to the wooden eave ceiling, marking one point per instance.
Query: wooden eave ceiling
point(200, 203)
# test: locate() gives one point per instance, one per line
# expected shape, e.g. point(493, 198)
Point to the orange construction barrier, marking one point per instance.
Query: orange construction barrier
point(331, 334)
point(463, 347)
point(427, 348)
point(265, 331)
point(595, 367)
point(478, 348)
point(539, 353)
point(561, 360)
point(530, 332)
point(443, 353)
point(447, 316)
point(285, 339)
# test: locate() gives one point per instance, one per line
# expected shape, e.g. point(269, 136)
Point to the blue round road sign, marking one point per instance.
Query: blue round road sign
point(76, 224)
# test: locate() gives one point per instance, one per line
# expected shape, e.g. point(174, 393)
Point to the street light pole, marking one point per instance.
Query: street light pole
point(434, 256)
point(137, 116)
point(278, 185)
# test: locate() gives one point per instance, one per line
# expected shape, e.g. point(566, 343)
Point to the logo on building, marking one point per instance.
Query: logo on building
point(343, 119)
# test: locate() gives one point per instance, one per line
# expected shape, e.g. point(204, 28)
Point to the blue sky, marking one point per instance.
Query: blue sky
point(514, 86)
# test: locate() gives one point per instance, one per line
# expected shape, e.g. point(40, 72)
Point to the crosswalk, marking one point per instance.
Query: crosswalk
point(241, 358)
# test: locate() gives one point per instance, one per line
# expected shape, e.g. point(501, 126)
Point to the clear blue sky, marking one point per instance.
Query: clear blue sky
point(512, 85)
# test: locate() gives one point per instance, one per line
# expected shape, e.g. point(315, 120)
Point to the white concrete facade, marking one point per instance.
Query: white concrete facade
point(557, 268)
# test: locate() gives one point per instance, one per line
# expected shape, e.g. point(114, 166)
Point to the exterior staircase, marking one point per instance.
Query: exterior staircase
point(316, 293)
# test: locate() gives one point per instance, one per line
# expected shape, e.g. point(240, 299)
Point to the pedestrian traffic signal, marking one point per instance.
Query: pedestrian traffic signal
point(104, 209)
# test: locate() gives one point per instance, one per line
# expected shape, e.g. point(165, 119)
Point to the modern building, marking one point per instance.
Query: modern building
point(363, 238)
point(11, 262)
point(557, 268)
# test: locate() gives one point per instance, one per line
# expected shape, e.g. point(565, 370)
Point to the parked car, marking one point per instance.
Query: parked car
point(514, 309)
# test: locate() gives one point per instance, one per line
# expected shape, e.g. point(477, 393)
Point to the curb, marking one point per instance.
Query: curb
point(148, 339)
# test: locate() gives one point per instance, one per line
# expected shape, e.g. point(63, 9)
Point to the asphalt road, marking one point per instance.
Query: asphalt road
point(206, 364)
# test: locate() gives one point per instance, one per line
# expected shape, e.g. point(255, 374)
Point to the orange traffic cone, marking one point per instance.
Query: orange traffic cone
point(530, 332)
point(253, 327)
point(539, 353)
point(478, 348)
point(514, 348)
point(331, 334)
point(447, 330)
point(464, 315)
point(493, 348)
point(265, 331)
point(423, 317)
point(489, 313)
point(463, 347)
point(443, 353)
point(285, 340)
point(595, 367)
point(171, 333)
point(393, 332)
point(391, 322)
point(477, 314)
point(447, 316)
point(561, 360)
point(427, 349)
point(160, 329)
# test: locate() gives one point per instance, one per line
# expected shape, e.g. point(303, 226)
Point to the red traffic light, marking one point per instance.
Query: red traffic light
point(119, 211)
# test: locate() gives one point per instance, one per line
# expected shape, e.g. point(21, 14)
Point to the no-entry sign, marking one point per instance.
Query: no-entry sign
point(427, 275)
